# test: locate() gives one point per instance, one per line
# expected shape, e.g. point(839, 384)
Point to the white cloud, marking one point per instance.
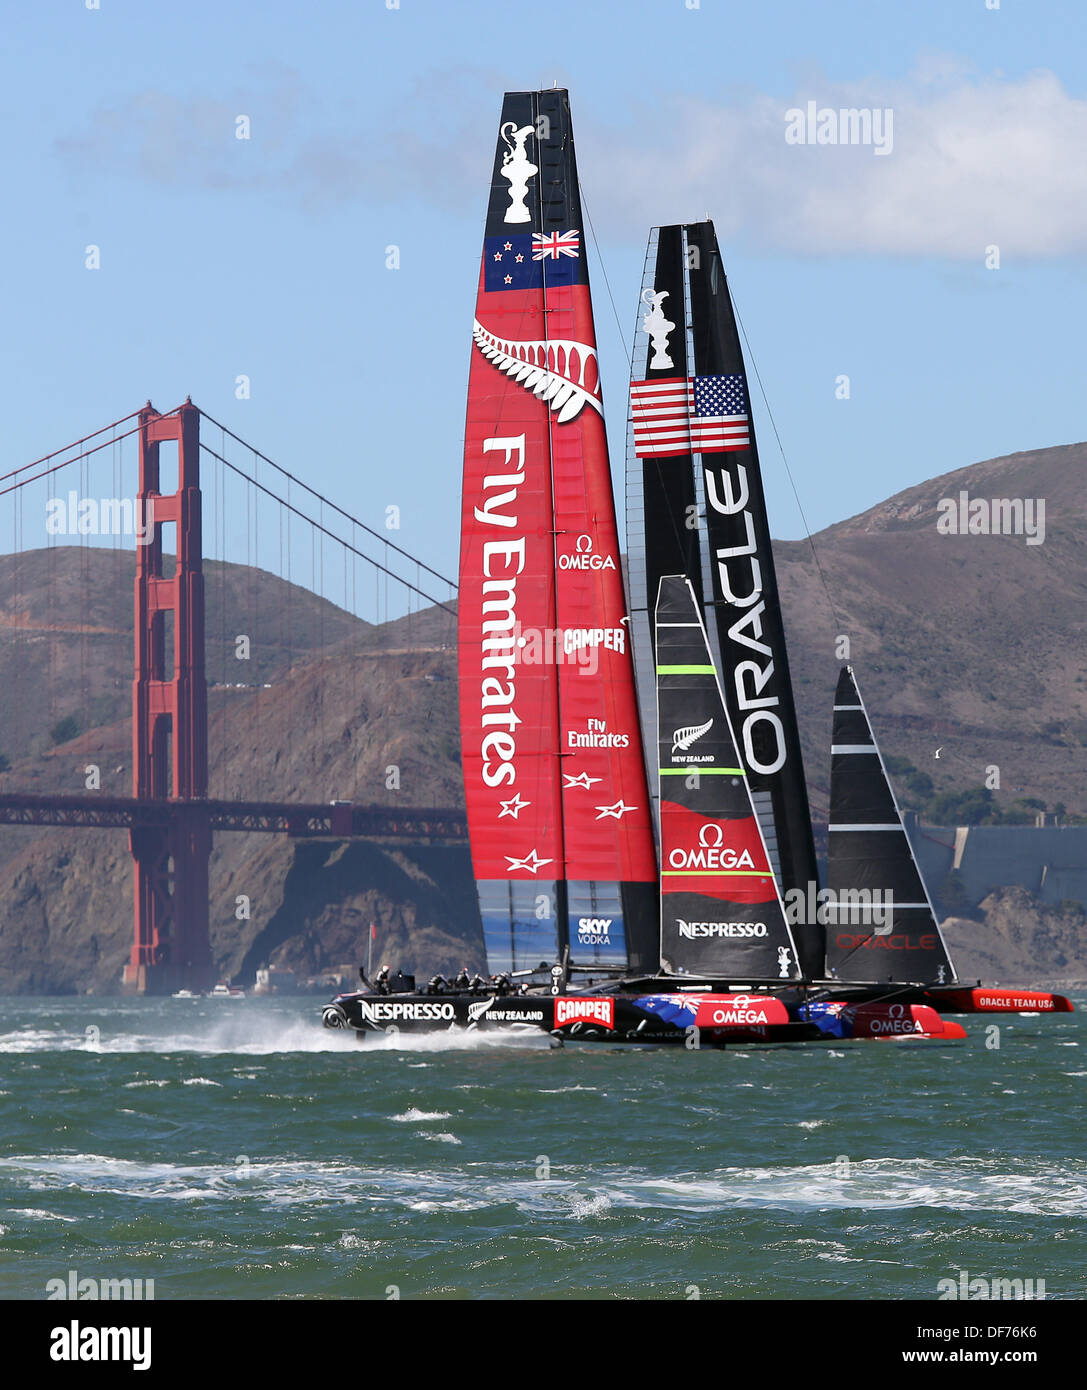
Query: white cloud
point(974, 162)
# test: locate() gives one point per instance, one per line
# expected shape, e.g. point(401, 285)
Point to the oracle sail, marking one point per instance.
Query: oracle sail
point(695, 506)
point(555, 783)
point(721, 913)
point(882, 926)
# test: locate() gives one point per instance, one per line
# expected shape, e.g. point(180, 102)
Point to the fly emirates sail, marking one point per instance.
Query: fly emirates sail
point(503, 561)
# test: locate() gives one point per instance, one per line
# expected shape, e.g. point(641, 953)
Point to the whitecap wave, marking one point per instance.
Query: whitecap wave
point(962, 1185)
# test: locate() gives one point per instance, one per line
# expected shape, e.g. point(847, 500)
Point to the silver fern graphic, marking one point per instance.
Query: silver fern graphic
point(683, 738)
point(551, 368)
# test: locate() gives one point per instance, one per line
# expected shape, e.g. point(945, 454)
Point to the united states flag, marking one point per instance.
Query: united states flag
point(682, 415)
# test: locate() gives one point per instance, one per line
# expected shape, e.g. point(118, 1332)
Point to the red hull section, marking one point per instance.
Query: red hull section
point(892, 1020)
point(1000, 1001)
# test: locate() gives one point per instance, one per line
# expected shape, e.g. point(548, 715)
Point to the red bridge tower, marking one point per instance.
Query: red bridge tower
point(169, 721)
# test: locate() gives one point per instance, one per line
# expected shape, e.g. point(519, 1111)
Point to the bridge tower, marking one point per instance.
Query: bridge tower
point(171, 947)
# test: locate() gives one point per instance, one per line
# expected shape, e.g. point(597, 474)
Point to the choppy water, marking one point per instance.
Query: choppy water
point(235, 1149)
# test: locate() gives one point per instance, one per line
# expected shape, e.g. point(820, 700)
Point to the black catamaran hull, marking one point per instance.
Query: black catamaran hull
point(693, 1018)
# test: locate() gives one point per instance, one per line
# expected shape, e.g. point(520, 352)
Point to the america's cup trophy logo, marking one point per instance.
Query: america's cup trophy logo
point(658, 327)
point(518, 168)
point(783, 962)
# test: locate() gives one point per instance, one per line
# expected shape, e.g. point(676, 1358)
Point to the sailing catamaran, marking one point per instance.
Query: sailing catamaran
point(695, 506)
point(588, 723)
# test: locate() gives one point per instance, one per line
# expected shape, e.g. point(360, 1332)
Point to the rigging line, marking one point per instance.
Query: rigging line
point(254, 595)
point(331, 535)
point(314, 493)
point(219, 479)
point(817, 996)
point(788, 471)
point(607, 282)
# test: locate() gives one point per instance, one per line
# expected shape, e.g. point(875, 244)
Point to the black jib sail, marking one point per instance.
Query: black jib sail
point(695, 506)
point(881, 926)
point(721, 913)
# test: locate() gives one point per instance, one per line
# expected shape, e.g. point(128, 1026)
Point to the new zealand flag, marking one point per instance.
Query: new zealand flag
point(520, 260)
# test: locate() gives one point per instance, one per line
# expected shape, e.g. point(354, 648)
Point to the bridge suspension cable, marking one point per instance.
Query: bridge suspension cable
point(339, 510)
point(295, 511)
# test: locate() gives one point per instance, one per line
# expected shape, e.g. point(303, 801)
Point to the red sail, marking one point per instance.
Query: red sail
point(554, 777)
point(508, 705)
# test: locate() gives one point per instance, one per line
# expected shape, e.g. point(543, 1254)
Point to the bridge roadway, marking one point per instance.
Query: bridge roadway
point(328, 820)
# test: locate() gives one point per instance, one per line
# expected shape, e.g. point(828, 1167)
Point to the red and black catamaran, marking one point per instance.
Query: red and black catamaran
point(638, 815)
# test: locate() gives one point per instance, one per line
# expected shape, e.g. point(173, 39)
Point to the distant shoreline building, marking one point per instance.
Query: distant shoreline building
point(1049, 860)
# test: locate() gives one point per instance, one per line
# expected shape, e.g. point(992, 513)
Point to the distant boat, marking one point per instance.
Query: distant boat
point(185, 994)
point(224, 991)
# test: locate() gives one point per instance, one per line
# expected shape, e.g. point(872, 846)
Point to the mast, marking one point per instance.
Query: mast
point(559, 820)
point(721, 912)
point(696, 463)
point(871, 865)
point(660, 485)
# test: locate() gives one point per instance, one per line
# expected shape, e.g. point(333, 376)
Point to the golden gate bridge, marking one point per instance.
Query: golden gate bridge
point(169, 816)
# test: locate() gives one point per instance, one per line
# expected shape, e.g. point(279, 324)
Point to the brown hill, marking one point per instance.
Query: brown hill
point(971, 644)
point(967, 644)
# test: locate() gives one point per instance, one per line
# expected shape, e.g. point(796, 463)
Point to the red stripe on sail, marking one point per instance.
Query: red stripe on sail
point(716, 858)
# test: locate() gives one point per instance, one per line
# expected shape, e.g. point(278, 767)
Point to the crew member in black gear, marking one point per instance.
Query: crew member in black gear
point(437, 984)
point(462, 981)
point(382, 980)
point(478, 984)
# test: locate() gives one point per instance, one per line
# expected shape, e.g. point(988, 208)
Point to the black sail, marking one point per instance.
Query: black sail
point(721, 913)
point(881, 926)
point(694, 472)
point(661, 501)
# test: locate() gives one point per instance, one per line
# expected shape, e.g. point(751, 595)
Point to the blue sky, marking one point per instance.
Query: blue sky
point(374, 127)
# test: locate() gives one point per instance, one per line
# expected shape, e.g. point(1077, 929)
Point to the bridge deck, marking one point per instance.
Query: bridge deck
point(440, 825)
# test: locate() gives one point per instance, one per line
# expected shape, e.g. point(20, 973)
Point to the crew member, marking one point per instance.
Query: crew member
point(382, 980)
point(437, 984)
point(462, 981)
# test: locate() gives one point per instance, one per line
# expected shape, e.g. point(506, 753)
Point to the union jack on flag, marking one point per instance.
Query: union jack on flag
point(555, 244)
point(689, 415)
